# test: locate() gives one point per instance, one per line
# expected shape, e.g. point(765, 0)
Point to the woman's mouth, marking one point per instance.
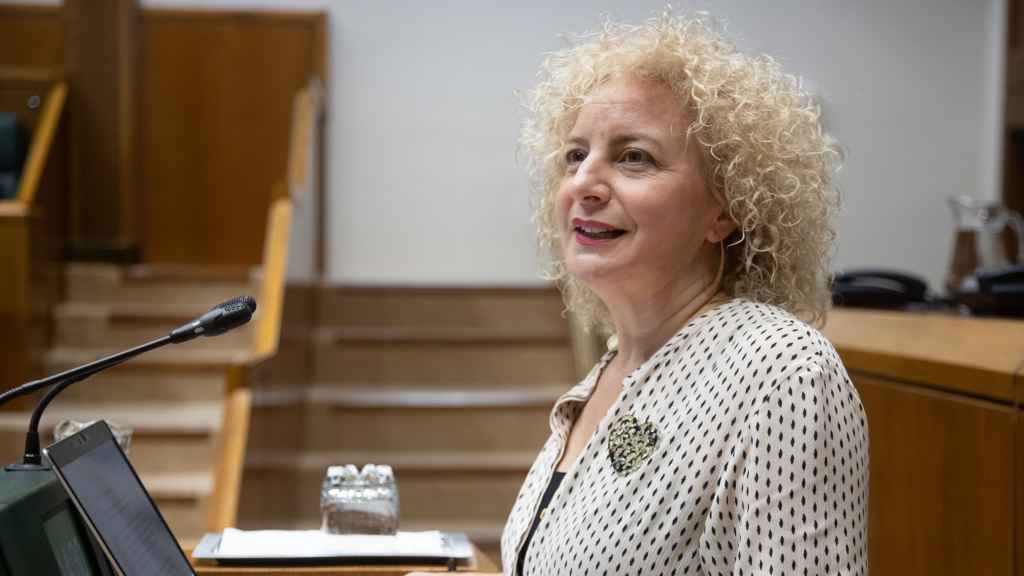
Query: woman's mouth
point(599, 234)
point(592, 232)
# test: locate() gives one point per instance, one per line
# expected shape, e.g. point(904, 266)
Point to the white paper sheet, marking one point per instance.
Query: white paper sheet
point(316, 544)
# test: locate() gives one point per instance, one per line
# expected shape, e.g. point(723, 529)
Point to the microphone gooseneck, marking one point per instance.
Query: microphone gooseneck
point(33, 457)
point(221, 318)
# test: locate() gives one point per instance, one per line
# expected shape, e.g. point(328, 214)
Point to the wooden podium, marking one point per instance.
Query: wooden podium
point(944, 397)
point(481, 563)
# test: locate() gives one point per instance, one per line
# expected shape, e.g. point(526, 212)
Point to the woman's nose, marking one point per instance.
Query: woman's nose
point(590, 184)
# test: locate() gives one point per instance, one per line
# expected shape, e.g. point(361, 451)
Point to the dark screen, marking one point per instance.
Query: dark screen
point(118, 506)
point(66, 542)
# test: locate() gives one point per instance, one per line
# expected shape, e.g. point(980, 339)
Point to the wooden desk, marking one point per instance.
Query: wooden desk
point(481, 563)
point(943, 396)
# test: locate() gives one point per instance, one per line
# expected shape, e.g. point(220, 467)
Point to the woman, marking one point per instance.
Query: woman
point(687, 191)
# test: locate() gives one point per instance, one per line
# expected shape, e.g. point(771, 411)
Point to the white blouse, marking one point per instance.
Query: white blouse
point(740, 447)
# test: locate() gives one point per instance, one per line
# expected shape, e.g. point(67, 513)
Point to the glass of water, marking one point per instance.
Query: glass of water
point(354, 501)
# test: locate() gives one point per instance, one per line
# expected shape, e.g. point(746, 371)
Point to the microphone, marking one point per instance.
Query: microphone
point(221, 318)
point(218, 320)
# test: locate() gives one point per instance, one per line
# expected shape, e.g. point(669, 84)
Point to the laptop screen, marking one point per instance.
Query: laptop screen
point(118, 507)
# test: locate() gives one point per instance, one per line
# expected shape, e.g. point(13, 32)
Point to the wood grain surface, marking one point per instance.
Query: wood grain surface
point(216, 111)
point(942, 483)
point(101, 42)
point(31, 36)
point(973, 356)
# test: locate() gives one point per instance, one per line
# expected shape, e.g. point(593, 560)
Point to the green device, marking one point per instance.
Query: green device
point(41, 532)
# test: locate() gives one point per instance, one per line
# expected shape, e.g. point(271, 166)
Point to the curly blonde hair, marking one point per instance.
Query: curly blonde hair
point(766, 157)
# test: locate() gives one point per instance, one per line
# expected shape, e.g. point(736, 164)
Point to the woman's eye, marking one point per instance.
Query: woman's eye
point(575, 156)
point(634, 156)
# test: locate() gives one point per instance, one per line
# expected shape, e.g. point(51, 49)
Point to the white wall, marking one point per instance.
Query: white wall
point(423, 185)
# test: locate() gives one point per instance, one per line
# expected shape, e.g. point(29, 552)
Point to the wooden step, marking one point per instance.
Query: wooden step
point(442, 460)
point(163, 284)
point(529, 363)
point(187, 372)
point(124, 385)
point(291, 364)
point(401, 420)
point(127, 324)
point(516, 353)
point(191, 357)
point(172, 449)
point(408, 395)
point(166, 438)
point(181, 499)
point(446, 334)
point(538, 308)
point(468, 490)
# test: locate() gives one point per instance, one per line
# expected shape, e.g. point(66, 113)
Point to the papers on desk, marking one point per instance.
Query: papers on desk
point(311, 545)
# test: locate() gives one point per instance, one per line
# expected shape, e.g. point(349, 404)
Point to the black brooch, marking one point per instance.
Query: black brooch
point(630, 444)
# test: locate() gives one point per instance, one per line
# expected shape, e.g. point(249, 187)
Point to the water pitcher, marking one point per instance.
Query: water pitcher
point(988, 235)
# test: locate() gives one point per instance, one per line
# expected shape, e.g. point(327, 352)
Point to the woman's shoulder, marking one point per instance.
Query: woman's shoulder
point(767, 337)
point(761, 351)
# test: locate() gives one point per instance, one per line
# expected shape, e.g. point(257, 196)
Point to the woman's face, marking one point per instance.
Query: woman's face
point(634, 211)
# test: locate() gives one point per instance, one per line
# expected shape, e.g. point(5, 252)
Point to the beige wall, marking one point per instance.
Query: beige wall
point(423, 185)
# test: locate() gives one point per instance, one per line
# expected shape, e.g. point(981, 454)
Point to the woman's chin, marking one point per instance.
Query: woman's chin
point(591, 269)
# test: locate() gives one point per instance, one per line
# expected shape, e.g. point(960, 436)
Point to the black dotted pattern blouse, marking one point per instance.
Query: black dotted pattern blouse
point(754, 460)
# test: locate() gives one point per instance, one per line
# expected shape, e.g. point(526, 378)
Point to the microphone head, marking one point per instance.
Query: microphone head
point(244, 300)
point(221, 318)
point(230, 315)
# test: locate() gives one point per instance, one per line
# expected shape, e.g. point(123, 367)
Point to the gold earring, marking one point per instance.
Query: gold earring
point(721, 262)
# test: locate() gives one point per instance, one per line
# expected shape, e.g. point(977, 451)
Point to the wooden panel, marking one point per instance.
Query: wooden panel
point(31, 37)
point(459, 364)
point(101, 40)
point(1020, 491)
point(18, 89)
point(15, 308)
point(438, 496)
point(1013, 161)
point(1015, 26)
point(217, 92)
point(45, 187)
point(966, 355)
point(942, 480)
point(1013, 138)
point(32, 235)
point(499, 308)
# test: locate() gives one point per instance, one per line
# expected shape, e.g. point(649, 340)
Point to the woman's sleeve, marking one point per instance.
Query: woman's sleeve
point(801, 483)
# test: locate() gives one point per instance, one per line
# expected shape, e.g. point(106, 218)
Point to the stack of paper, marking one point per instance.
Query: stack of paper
point(235, 544)
point(314, 543)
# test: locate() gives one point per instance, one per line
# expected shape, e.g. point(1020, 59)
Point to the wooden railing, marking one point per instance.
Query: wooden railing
point(32, 225)
point(42, 141)
point(244, 373)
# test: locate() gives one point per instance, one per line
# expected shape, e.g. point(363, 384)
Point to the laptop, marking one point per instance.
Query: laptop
point(114, 504)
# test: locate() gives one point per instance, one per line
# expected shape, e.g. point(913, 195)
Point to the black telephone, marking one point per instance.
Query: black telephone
point(877, 289)
point(994, 291)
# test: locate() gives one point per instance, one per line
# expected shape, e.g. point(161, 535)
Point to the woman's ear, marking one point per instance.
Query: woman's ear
point(721, 228)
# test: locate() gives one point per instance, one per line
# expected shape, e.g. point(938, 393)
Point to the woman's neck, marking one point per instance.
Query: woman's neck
point(639, 340)
point(642, 325)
